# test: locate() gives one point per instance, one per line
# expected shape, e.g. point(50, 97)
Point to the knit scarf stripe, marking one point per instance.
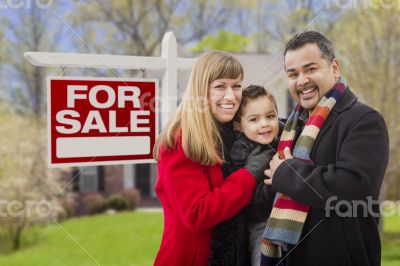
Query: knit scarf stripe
point(288, 203)
point(287, 218)
point(271, 253)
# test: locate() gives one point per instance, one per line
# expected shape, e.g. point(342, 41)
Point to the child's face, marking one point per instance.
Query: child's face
point(259, 120)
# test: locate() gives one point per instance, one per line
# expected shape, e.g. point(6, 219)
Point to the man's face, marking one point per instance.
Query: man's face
point(310, 76)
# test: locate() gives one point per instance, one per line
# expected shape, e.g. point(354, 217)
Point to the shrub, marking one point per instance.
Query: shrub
point(117, 202)
point(94, 203)
point(132, 195)
point(69, 203)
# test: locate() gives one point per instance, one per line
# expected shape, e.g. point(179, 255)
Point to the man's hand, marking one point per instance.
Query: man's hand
point(274, 164)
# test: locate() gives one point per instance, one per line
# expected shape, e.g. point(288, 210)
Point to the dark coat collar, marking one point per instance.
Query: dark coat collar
point(345, 102)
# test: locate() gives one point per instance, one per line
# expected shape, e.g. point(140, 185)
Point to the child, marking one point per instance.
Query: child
point(257, 127)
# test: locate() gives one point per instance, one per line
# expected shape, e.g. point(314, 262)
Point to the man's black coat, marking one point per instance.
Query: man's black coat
point(350, 157)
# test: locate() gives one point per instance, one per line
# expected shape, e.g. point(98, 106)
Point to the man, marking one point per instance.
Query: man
point(334, 175)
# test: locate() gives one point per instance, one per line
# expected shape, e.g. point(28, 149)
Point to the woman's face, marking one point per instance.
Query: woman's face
point(224, 98)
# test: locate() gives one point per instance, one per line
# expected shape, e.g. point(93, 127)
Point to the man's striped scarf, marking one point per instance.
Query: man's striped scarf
point(286, 222)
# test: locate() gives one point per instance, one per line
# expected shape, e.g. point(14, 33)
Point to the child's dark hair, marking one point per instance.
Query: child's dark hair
point(250, 93)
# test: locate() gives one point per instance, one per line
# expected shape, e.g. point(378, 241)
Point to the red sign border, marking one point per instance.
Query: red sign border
point(97, 163)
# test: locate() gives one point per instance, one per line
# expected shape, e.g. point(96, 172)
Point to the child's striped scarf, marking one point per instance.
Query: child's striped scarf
point(286, 222)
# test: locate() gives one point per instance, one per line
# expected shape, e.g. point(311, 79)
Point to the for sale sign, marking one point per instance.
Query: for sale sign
point(101, 121)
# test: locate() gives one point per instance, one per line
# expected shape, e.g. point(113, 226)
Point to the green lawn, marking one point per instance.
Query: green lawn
point(130, 238)
point(391, 241)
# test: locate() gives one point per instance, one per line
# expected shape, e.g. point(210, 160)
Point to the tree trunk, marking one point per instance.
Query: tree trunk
point(17, 237)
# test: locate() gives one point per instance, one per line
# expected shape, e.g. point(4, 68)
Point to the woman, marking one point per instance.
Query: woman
point(190, 150)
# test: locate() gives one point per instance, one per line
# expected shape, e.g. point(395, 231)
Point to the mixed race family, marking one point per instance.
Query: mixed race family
point(240, 186)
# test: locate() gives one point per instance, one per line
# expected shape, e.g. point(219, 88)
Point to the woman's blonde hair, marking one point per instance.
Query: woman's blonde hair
point(201, 140)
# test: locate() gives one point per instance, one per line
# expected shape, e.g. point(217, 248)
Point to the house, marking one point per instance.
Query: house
point(266, 70)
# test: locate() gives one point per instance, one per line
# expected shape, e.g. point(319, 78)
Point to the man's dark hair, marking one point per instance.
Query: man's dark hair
point(250, 93)
point(306, 37)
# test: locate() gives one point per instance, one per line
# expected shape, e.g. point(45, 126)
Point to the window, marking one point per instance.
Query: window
point(88, 179)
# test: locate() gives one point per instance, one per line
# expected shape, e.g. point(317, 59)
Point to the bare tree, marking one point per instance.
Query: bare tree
point(27, 30)
point(23, 171)
point(137, 27)
point(23, 193)
point(367, 40)
point(278, 21)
